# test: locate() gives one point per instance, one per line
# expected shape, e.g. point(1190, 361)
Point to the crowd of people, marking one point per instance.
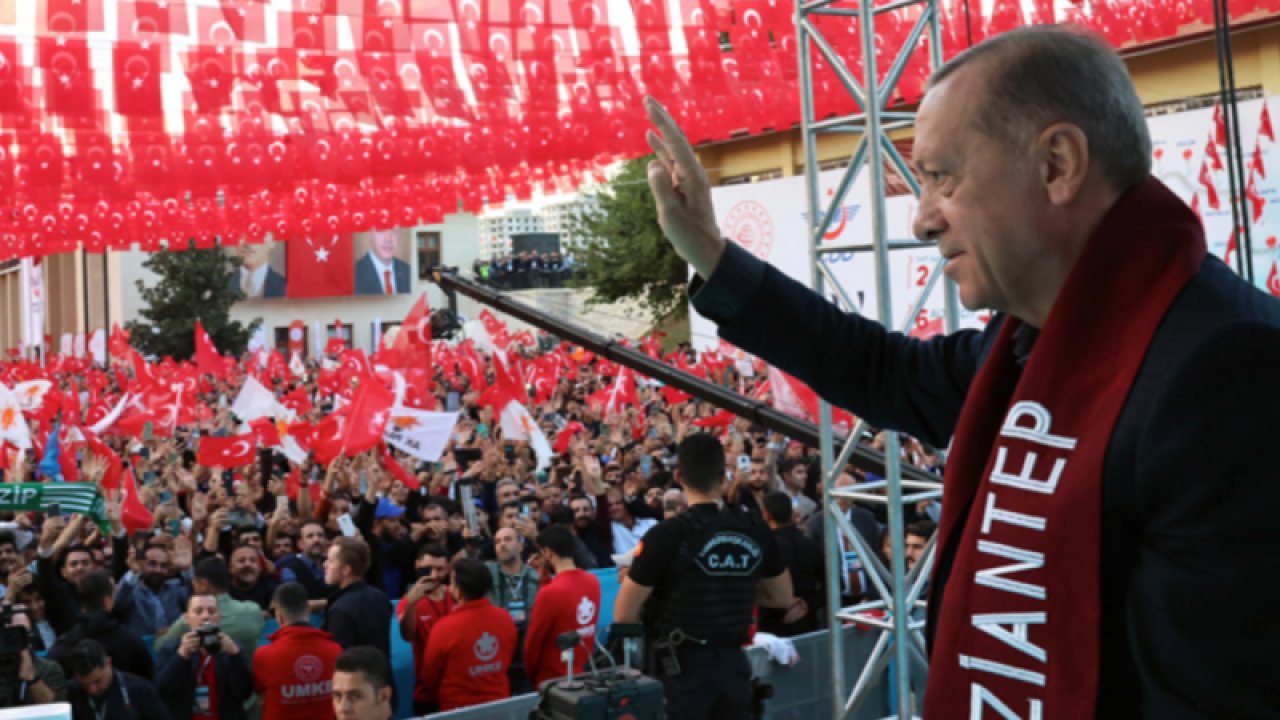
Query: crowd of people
point(334, 559)
point(526, 270)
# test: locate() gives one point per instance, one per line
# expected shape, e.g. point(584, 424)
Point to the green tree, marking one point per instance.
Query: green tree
point(192, 285)
point(624, 253)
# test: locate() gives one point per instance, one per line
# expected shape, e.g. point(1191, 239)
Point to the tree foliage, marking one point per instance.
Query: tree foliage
point(192, 285)
point(625, 255)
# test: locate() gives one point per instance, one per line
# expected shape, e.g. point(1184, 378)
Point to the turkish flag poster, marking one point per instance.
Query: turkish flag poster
point(320, 266)
point(234, 451)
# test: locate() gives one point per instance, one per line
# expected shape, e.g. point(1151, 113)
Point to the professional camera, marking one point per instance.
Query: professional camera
point(13, 641)
point(620, 691)
point(210, 642)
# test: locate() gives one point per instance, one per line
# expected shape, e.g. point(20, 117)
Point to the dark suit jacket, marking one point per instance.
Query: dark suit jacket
point(368, 282)
point(273, 286)
point(1190, 575)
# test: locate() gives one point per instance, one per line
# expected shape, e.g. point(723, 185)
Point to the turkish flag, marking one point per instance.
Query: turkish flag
point(1264, 124)
point(151, 21)
point(227, 452)
point(207, 358)
point(212, 74)
point(321, 266)
point(133, 514)
point(674, 396)
point(138, 69)
point(415, 331)
point(72, 16)
point(11, 76)
point(354, 366)
point(115, 467)
point(266, 431)
point(327, 437)
point(367, 417)
point(68, 75)
point(565, 436)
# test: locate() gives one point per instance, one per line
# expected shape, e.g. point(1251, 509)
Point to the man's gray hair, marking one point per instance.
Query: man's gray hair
point(1044, 74)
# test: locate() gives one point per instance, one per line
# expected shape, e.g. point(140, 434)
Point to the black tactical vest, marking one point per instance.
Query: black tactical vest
point(709, 590)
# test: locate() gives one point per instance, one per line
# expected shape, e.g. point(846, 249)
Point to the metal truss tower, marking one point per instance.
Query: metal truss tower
point(899, 651)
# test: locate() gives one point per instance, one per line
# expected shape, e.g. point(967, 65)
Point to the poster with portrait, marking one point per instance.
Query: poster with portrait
point(382, 262)
point(263, 273)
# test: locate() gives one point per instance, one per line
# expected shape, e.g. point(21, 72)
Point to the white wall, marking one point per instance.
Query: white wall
point(460, 245)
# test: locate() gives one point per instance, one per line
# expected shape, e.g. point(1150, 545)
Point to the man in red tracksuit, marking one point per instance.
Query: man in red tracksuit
point(293, 673)
point(469, 651)
point(569, 603)
point(420, 610)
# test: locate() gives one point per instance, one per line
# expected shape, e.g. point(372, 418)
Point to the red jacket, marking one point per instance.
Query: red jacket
point(294, 673)
point(570, 602)
point(468, 654)
point(429, 614)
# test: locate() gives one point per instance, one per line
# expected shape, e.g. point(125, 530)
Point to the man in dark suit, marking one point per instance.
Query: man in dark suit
point(1035, 163)
point(256, 278)
point(379, 271)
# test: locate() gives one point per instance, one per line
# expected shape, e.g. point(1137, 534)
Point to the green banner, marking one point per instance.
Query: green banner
point(81, 498)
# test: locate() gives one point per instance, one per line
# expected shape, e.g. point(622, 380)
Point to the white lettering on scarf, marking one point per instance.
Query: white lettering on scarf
point(1027, 421)
point(980, 697)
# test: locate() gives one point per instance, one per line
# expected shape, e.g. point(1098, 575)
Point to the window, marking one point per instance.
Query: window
point(388, 329)
point(428, 253)
point(282, 340)
point(342, 331)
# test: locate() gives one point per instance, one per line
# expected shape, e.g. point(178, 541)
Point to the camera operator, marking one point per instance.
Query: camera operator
point(701, 572)
point(101, 692)
point(36, 680)
point(204, 674)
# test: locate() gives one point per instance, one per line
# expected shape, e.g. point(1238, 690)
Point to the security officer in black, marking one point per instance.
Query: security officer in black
point(697, 576)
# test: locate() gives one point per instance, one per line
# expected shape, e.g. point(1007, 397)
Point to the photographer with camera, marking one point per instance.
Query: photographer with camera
point(243, 621)
point(24, 678)
point(204, 674)
point(98, 691)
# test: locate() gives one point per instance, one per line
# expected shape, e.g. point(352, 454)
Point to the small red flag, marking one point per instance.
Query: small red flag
point(227, 452)
point(367, 419)
point(207, 358)
point(265, 430)
point(133, 514)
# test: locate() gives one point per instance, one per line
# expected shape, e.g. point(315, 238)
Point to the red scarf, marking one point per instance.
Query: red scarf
point(1018, 621)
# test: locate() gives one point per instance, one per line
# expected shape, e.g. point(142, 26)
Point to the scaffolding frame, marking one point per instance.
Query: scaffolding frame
point(901, 639)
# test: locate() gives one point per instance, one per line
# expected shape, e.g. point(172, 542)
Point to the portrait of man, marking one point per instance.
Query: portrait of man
point(262, 273)
point(382, 269)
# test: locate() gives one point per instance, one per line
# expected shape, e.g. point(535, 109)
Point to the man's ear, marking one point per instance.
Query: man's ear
point(1065, 161)
point(384, 695)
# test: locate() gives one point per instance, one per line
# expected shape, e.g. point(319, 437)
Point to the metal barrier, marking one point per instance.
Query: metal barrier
point(800, 692)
